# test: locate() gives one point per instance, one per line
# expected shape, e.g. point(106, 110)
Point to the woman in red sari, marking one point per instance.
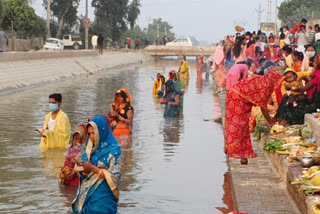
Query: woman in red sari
point(68, 175)
point(253, 91)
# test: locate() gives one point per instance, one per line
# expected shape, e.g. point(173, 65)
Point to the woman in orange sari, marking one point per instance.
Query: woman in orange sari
point(253, 91)
point(121, 114)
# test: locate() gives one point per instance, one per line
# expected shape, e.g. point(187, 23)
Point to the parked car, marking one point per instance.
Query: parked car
point(72, 40)
point(53, 44)
point(180, 42)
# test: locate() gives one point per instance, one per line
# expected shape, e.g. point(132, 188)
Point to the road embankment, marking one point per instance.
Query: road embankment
point(22, 70)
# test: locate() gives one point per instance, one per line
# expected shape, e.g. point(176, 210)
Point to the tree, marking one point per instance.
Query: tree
point(65, 11)
point(297, 15)
point(133, 12)
point(289, 9)
point(21, 14)
point(163, 28)
point(112, 15)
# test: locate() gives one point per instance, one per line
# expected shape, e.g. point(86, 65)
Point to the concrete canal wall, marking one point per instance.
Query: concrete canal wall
point(21, 70)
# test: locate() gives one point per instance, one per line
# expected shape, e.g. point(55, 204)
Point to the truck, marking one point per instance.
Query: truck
point(72, 40)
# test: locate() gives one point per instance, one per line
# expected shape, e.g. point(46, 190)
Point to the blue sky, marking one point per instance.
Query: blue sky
point(207, 20)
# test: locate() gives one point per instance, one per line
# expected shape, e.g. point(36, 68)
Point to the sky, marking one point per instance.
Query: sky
point(206, 20)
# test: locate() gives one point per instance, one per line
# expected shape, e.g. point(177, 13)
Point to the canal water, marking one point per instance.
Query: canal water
point(168, 166)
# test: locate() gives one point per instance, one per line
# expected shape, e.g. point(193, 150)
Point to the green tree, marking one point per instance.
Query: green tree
point(65, 11)
point(21, 14)
point(293, 8)
point(133, 12)
point(164, 27)
point(111, 14)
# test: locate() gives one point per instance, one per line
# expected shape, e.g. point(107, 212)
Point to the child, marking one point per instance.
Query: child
point(293, 80)
point(68, 176)
point(297, 58)
point(282, 42)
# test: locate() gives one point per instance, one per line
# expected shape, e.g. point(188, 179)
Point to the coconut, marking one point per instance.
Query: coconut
point(316, 180)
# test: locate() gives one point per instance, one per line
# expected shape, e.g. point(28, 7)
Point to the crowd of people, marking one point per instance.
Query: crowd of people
point(92, 161)
point(276, 76)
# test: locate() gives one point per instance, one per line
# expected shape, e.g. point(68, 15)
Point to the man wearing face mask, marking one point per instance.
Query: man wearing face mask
point(56, 129)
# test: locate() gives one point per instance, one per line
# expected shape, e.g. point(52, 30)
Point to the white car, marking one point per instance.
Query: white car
point(180, 42)
point(53, 44)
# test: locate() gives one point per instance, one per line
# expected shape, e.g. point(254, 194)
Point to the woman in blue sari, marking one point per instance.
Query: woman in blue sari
point(171, 99)
point(98, 190)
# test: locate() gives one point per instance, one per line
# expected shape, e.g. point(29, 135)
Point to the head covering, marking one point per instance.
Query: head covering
point(172, 86)
point(257, 89)
point(288, 70)
point(125, 95)
point(171, 72)
point(82, 130)
point(275, 55)
point(105, 117)
point(184, 66)
point(105, 142)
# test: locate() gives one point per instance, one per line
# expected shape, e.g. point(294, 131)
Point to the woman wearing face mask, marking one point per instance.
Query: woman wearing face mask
point(308, 61)
point(56, 129)
point(68, 176)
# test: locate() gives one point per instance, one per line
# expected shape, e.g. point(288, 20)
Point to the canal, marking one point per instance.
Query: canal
point(168, 166)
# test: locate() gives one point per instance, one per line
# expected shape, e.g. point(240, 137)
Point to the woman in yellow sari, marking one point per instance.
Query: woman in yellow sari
point(184, 71)
point(121, 114)
point(157, 84)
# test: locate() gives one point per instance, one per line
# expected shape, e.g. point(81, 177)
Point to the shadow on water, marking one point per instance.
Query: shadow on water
point(168, 165)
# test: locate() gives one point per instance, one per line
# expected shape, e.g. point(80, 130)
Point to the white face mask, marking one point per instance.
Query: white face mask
point(310, 54)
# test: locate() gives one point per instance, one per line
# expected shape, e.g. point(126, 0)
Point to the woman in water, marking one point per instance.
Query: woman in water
point(100, 174)
point(121, 115)
point(68, 176)
point(171, 99)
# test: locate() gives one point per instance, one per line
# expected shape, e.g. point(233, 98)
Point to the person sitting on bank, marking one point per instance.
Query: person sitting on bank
point(121, 114)
point(56, 129)
point(68, 176)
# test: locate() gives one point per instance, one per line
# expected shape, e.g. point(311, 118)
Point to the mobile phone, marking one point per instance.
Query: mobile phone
point(37, 130)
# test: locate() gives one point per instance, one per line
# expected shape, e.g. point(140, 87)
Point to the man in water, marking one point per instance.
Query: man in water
point(56, 129)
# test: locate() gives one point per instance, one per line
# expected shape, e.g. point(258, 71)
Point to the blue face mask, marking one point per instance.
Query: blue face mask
point(53, 107)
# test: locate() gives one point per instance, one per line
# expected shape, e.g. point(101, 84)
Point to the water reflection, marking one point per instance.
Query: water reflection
point(161, 163)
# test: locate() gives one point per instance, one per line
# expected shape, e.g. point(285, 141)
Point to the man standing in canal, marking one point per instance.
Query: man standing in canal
point(56, 129)
point(3, 41)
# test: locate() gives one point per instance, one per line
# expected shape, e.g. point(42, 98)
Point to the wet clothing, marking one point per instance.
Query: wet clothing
point(60, 136)
point(171, 111)
point(118, 127)
point(184, 71)
point(253, 91)
point(100, 194)
point(74, 154)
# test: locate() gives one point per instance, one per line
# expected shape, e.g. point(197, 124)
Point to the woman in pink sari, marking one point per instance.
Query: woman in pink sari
point(237, 73)
point(218, 66)
point(239, 50)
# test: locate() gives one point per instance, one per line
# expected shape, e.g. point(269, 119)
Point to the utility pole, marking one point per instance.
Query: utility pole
point(276, 19)
point(269, 11)
point(48, 19)
point(165, 30)
point(158, 35)
point(149, 20)
point(260, 11)
point(87, 27)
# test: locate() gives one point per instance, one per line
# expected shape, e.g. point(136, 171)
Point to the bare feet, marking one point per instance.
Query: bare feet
point(244, 161)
